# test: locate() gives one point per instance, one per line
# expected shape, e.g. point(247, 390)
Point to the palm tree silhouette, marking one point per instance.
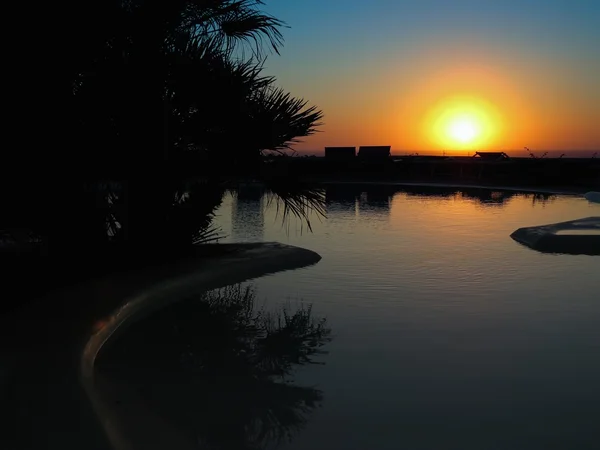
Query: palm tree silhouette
point(156, 96)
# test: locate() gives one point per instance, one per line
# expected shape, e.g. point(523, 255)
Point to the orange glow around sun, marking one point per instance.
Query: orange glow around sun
point(461, 123)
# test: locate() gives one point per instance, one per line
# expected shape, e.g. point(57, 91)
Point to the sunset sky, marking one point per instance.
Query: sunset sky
point(445, 75)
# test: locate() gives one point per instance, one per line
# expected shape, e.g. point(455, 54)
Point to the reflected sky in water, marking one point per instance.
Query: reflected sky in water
point(448, 334)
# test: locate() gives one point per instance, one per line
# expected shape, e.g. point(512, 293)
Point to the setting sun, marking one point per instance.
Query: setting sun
point(462, 130)
point(462, 123)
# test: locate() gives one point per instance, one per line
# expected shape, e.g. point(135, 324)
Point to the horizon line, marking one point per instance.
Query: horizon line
point(469, 152)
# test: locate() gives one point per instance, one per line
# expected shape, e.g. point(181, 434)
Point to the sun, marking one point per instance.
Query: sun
point(462, 122)
point(463, 130)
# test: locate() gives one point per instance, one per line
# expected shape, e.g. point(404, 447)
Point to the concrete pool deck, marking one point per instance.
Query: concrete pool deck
point(49, 395)
point(549, 239)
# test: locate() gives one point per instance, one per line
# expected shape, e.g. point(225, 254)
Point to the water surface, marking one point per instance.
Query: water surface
point(447, 333)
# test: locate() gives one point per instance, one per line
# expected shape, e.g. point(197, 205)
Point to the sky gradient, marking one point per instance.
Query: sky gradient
point(421, 75)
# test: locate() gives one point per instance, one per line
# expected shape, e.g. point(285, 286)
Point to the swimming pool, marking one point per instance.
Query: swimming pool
point(447, 334)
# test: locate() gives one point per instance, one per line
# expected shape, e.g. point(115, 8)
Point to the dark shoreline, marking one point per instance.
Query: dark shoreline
point(564, 175)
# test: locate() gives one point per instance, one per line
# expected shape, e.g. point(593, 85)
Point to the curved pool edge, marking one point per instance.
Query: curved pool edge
point(249, 261)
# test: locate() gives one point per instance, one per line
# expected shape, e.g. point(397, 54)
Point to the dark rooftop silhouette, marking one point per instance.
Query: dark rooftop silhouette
point(497, 156)
point(340, 153)
point(374, 152)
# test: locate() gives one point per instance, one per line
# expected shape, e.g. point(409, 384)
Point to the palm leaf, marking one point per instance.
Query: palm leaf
point(229, 23)
point(293, 198)
point(280, 119)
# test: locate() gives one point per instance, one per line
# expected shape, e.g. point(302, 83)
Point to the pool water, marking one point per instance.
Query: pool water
point(447, 334)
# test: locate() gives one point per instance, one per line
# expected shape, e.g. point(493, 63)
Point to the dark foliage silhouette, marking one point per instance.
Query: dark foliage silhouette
point(151, 95)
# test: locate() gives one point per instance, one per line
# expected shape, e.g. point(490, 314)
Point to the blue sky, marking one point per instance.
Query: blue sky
point(356, 43)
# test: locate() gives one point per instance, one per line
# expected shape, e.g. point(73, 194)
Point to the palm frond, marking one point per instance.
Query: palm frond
point(230, 23)
point(293, 198)
point(207, 235)
point(289, 117)
point(254, 28)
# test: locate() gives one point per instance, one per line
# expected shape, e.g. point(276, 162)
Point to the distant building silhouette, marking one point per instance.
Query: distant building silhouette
point(340, 153)
point(491, 156)
point(374, 153)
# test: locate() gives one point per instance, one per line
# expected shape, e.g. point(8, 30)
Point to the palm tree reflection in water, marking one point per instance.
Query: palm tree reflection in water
point(221, 369)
